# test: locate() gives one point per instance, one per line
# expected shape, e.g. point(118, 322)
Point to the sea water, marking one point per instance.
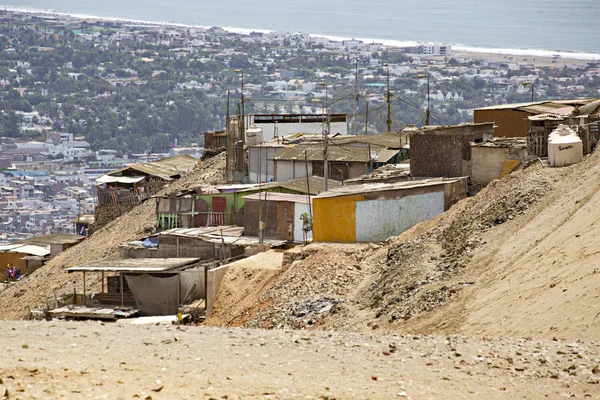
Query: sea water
point(541, 27)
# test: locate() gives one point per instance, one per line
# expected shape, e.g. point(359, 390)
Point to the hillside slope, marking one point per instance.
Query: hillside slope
point(18, 298)
point(518, 259)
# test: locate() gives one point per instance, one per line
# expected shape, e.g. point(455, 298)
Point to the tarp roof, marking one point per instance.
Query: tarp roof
point(137, 265)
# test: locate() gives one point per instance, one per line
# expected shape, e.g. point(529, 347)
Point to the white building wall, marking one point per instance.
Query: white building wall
point(267, 173)
point(286, 129)
point(299, 209)
point(287, 170)
point(377, 220)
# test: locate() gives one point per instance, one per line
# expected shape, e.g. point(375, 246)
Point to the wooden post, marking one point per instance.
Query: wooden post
point(205, 287)
point(121, 282)
point(84, 300)
point(102, 291)
point(178, 290)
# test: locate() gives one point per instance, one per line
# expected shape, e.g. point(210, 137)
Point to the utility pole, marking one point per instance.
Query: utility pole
point(367, 119)
point(389, 100)
point(307, 183)
point(261, 225)
point(325, 163)
point(228, 148)
point(243, 122)
point(356, 99)
point(428, 111)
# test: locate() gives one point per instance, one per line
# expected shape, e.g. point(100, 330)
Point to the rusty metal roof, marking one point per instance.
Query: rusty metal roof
point(167, 168)
point(592, 108)
point(392, 140)
point(382, 187)
point(314, 152)
point(316, 185)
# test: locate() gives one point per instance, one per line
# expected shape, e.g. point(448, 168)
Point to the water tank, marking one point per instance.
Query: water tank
point(564, 147)
point(254, 136)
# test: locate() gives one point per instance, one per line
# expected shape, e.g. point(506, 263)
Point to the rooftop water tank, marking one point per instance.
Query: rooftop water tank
point(254, 136)
point(564, 147)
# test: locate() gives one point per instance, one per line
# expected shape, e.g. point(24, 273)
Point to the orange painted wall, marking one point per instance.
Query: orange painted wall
point(334, 218)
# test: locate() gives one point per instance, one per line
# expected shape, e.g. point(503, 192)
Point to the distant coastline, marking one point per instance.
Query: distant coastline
point(456, 48)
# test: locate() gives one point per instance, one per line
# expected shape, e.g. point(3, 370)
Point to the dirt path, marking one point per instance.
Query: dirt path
point(76, 360)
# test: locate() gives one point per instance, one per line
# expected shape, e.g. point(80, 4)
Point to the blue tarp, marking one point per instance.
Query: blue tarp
point(151, 242)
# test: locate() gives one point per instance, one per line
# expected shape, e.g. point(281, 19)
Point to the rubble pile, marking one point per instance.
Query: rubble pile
point(313, 286)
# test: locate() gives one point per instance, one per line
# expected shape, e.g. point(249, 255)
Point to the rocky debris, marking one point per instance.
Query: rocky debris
point(316, 280)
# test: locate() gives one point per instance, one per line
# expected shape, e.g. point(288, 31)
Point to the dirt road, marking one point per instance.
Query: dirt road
point(76, 360)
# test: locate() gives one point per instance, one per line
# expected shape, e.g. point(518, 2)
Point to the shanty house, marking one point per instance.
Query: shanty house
point(224, 205)
point(584, 119)
point(135, 183)
point(280, 213)
point(510, 120)
point(26, 257)
point(445, 151)
point(496, 158)
point(374, 212)
point(57, 242)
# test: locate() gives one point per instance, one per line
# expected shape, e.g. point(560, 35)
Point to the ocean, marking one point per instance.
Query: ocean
point(532, 27)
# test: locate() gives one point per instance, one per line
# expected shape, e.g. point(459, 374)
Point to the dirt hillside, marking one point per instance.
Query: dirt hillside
point(518, 259)
point(52, 278)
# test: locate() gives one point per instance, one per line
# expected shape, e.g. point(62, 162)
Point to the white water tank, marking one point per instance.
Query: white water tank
point(254, 136)
point(564, 147)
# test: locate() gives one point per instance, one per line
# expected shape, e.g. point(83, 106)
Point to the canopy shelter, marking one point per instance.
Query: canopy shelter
point(158, 285)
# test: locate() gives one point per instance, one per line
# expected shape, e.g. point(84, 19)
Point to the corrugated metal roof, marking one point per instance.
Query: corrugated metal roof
point(509, 106)
point(546, 117)
point(227, 230)
point(382, 187)
point(138, 265)
point(592, 108)
point(316, 185)
point(25, 249)
point(385, 155)
point(542, 108)
point(390, 172)
point(314, 152)
point(270, 196)
point(119, 179)
point(56, 238)
point(167, 168)
point(393, 140)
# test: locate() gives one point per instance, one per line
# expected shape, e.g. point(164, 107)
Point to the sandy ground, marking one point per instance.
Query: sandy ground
point(76, 360)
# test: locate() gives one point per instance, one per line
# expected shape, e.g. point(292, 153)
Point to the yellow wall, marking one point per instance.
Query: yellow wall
point(334, 218)
point(12, 259)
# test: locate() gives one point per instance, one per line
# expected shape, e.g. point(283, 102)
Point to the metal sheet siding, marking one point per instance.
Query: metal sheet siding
point(334, 218)
point(299, 208)
point(377, 220)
